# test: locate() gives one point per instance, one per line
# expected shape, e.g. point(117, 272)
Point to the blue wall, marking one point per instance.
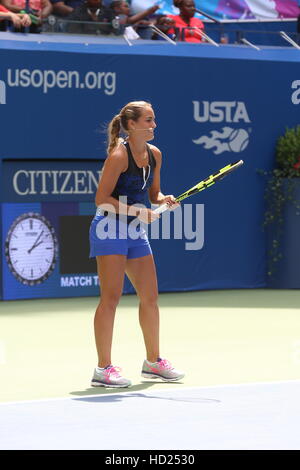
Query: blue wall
point(213, 106)
point(265, 33)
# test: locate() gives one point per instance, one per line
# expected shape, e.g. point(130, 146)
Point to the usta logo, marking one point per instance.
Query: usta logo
point(227, 139)
point(2, 92)
point(220, 111)
point(296, 94)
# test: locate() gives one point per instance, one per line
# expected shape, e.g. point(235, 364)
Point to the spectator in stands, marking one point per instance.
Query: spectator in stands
point(165, 24)
point(37, 10)
point(91, 11)
point(188, 26)
point(121, 7)
point(142, 19)
point(19, 20)
point(65, 7)
point(137, 6)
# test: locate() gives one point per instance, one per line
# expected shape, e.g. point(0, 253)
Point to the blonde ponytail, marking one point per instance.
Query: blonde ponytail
point(114, 129)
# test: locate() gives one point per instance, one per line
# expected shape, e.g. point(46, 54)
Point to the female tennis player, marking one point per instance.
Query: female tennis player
point(131, 173)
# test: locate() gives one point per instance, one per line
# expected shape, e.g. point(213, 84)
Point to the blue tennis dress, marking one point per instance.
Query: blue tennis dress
point(114, 234)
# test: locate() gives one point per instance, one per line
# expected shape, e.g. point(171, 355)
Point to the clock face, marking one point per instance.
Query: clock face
point(31, 248)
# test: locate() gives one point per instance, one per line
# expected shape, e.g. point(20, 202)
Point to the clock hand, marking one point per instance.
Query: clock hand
point(39, 237)
point(35, 243)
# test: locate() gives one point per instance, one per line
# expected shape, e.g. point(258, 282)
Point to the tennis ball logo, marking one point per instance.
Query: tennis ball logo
point(226, 140)
point(238, 140)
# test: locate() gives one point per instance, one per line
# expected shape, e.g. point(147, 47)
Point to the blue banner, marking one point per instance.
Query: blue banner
point(213, 106)
point(48, 180)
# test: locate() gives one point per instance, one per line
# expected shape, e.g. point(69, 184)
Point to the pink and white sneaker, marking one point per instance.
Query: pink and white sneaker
point(162, 369)
point(109, 377)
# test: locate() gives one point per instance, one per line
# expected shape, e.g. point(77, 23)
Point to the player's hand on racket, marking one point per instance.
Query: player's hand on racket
point(171, 202)
point(147, 215)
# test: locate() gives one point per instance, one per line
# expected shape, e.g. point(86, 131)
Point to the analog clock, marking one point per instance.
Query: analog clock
point(31, 248)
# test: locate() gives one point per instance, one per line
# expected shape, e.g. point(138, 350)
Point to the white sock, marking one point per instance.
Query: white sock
point(154, 361)
point(99, 369)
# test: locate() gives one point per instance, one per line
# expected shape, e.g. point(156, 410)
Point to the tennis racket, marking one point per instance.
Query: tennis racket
point(209, 181)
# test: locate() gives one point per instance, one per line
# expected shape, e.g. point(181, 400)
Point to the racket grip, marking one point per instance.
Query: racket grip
point(161, 208)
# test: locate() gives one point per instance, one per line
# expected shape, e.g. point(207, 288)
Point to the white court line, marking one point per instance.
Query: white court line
point(161, 390)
